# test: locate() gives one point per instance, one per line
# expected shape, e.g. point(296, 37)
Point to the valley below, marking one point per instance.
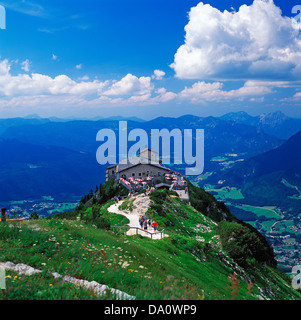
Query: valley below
point(44, 207)
point(280, 226)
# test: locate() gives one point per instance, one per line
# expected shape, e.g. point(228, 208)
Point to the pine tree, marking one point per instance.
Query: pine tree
point(34, 216)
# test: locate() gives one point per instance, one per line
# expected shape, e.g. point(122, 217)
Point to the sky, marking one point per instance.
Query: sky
point(149, 58)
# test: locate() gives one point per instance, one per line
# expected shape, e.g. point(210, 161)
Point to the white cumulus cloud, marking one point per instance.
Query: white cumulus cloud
point(130, 85)
point(40, 84)
point(256, 42)
point(25, 65)
point(158, 74)
point(202, 91)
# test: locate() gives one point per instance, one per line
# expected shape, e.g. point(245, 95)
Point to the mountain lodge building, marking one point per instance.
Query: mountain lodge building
point(145, 164)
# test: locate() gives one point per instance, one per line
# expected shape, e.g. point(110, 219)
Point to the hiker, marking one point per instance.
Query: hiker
point(116, 200)
point(155, 225)
point(141, 221)
point(119, 197)
point(186, 189)
point(145, 225)
point(149, 222)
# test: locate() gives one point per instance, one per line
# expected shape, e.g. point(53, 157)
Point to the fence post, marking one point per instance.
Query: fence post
point(3, 214)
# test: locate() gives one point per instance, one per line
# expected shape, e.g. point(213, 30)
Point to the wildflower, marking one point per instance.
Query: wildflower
point(125, 264)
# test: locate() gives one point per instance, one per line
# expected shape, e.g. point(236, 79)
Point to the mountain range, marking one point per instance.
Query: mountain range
point(38, 151)
point(274, 123)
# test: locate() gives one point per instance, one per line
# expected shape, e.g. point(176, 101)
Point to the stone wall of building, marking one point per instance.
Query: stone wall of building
point(110, 173)
point(142, 170)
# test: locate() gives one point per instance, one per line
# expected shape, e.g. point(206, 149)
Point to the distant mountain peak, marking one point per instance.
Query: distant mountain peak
point(275, 117)
point(236, 116)
point(32, 116)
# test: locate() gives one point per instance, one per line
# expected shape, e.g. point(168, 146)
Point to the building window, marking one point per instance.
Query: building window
point(133, 174)
point(112, 171)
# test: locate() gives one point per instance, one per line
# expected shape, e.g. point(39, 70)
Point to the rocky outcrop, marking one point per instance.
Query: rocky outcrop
point(99, 289)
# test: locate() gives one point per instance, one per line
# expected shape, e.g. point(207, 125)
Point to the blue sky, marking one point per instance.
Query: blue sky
point(149, 58)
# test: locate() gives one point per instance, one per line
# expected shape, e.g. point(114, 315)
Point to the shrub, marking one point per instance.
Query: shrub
point(206, 203)
point(244, 245)
point(102, 223)
point(68, 215)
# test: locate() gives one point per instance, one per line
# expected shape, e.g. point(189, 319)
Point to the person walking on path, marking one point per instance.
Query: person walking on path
point(116, 200)
point(155, 225)
point(145, 225)
point(141, 221)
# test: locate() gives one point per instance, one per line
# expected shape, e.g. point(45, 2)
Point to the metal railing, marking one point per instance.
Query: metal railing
point(138, 229)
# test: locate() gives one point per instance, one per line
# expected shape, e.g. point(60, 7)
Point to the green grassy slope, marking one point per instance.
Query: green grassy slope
point(194, 262)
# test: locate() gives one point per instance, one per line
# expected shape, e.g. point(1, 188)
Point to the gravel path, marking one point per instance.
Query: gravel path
point(141, 204)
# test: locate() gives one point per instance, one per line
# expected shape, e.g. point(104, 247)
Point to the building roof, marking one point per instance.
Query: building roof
point(137, 160)
point(122, 167)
